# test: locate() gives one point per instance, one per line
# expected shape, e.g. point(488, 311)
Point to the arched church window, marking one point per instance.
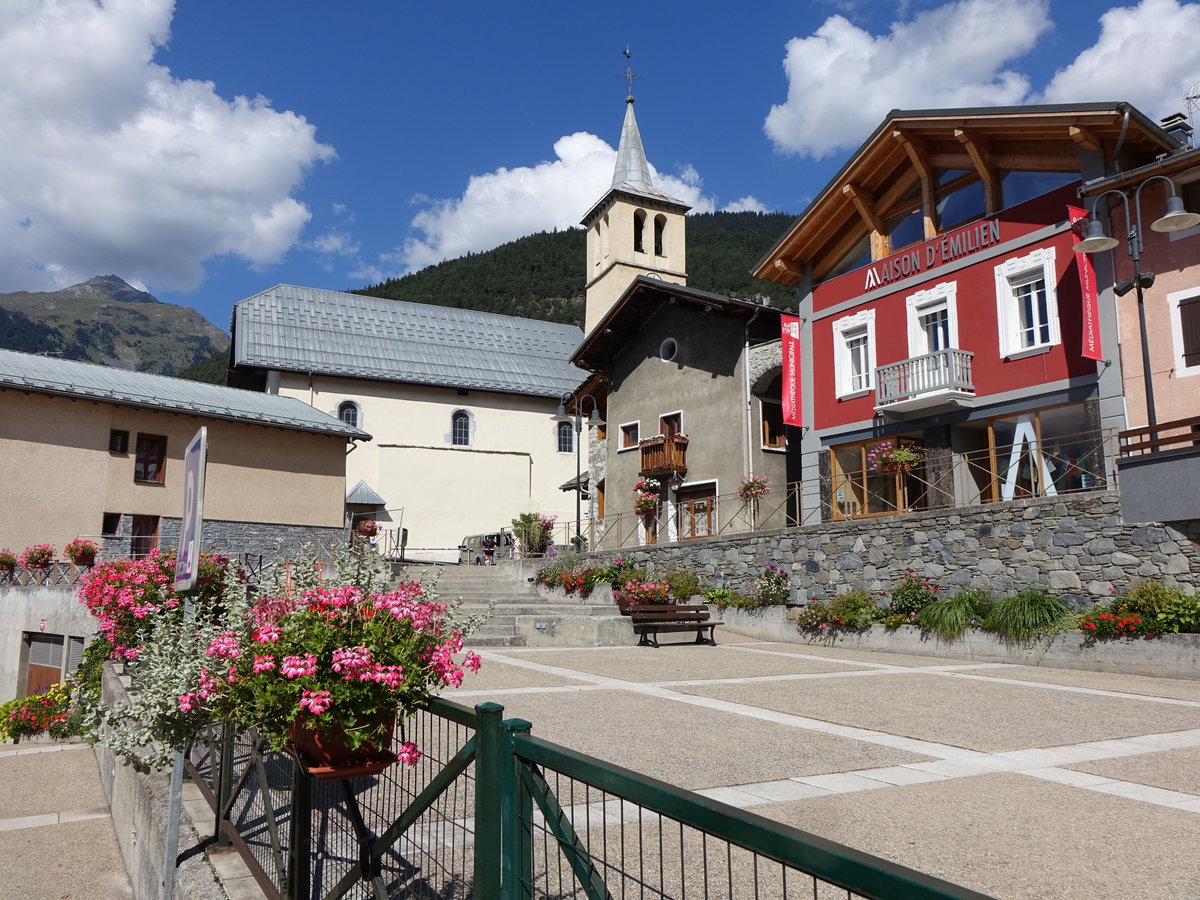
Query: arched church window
point(460, 428)
point(639, 230)
point(660, 235)
point(347, 411)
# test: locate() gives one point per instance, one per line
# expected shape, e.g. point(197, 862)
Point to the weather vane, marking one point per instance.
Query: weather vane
point(628, 74)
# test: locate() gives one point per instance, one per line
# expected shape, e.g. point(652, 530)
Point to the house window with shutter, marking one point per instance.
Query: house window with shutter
point(151, 458)
point(1185, 328)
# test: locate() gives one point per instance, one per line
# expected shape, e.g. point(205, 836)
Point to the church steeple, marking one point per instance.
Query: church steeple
point(635, 229)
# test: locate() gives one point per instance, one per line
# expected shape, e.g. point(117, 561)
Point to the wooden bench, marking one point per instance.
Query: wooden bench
point(650, 619)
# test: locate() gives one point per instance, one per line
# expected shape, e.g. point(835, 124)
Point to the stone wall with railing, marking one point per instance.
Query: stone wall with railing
point(1075, 546)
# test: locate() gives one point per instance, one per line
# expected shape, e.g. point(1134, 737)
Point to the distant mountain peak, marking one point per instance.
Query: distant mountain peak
point(109, 287)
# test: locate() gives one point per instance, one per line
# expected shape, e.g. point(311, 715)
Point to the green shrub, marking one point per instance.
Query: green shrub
point(1148, 599)
point(727, 597)
point(683, 583)
point(911, 595)
point(856, 609)
point(1179, 616)
point(774, 586)
point(1027, 615)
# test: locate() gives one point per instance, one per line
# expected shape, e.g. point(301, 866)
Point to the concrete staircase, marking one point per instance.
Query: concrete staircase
point(525, 615)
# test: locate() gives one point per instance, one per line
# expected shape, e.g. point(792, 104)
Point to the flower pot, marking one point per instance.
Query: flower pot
point(328, 757)
point(84, 560)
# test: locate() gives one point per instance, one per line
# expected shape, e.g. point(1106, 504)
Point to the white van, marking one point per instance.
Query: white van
point(472, 552)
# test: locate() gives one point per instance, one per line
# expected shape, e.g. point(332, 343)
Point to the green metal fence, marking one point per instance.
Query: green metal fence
point(494, 813)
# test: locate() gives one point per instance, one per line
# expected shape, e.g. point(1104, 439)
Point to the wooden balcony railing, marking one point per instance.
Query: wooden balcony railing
point(664, 456)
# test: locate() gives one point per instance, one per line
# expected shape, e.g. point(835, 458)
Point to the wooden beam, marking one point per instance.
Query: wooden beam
point(784, 268)
point(916, 155)
point(1084, 137)
point(864, 202)
point(977, 151)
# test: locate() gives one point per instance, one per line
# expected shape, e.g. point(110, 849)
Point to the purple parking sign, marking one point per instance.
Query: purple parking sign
point(188, 561)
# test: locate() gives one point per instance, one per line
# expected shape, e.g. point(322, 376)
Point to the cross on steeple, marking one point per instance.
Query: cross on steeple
point(628, 75)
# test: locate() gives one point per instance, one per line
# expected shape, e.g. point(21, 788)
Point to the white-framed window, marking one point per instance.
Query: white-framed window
point(933, 319)
point(1027, 304)
point(1185, 330)
point(350, 413)
point(628, 436)
point(564, 434)
point(854, 354)
point(460, 428)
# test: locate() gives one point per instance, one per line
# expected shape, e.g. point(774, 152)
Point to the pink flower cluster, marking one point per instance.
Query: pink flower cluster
point(316, 702)
point(298, 666)
point(121, 593)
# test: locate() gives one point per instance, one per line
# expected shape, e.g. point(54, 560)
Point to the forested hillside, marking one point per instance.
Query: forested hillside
point(542, 276)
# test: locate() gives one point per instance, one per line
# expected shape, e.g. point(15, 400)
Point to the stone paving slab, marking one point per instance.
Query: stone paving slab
point(1173, 770)
point(49, 782)
point(869, 656)
point(495, 675)
point(1174, 688)
point(979, 715)
point(690, 747)
point(1005, 835)
point(75, 861)
point(680, 662)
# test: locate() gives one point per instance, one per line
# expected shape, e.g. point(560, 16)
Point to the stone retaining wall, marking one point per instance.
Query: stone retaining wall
point(1075, 547)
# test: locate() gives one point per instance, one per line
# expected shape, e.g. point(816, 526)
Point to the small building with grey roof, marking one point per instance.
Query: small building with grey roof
point(89, 451)
point(459, 403)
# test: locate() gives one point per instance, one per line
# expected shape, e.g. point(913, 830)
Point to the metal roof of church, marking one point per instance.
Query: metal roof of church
point(301, 329)
point(70, 378)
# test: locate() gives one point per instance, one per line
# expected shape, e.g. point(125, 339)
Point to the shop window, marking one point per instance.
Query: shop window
point(854, 354)
point(629, 436)
point(565, 437)
point(864, 484)
point(460, 428)
point(1026, 304)
point(1045, 453)
point(118, 442)
point(1185, 330)
point(150, 462)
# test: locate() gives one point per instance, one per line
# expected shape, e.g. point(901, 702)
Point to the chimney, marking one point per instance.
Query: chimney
point(1176, 125)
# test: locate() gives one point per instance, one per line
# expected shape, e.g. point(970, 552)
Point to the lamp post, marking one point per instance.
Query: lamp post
point(1097, 239)
point(577, 419)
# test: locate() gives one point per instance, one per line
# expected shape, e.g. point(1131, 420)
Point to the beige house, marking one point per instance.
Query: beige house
point(97, 452)
point(459, 403)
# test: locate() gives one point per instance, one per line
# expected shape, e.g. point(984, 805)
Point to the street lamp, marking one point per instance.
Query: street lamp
point(577, 419)
point(1097, 239)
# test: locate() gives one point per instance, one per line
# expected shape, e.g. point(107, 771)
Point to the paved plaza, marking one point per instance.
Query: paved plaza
point(1019, 782)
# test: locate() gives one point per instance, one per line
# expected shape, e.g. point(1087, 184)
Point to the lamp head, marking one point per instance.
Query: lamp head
point(561, 414)
point(1096, 239)
point(594, 418)
point(1176, 217)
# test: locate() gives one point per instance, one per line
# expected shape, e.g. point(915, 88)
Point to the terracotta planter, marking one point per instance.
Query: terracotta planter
point(84, 560)
point(328, 757)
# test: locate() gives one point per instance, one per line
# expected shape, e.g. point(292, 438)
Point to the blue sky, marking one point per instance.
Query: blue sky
point(209, 149)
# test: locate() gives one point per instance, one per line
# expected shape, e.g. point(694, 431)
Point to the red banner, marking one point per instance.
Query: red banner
point(789, 333)
point(1087, 287)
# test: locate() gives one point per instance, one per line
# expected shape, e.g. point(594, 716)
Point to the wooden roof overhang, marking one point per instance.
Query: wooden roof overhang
point(638, 305)
point(904, 154)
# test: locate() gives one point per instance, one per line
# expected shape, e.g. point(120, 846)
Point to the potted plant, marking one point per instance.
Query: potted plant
point(82, 552)
point(888, 458)
point(367, 528)
point(324, 672)
point(39, 556)
point(646, 496)
point(8, 561)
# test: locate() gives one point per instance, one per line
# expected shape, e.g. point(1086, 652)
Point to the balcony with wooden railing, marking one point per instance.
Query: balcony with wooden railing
point(925, 383)
point(664, 456)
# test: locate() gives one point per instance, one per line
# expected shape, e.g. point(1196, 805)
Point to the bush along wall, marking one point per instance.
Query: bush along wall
point(1076, 548)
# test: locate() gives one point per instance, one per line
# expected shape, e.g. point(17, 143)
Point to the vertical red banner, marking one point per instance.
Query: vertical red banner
point(789, 333)
point(1087, 288)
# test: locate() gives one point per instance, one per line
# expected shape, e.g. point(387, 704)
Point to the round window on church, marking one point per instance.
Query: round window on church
point(667, 350)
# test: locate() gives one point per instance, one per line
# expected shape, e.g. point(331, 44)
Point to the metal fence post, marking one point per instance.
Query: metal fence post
point(491, 759)
point(299, 875)
point(517, 811)
point(224, 785)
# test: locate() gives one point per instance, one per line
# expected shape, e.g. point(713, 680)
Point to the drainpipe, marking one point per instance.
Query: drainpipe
point(746, 396)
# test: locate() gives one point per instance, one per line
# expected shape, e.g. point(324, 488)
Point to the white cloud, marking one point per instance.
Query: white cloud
point(842, 80)
point(507, 204)
point(1147, 54)
point(111, 164)
point(746, 204)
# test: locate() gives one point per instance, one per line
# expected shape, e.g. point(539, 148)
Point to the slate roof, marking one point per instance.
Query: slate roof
point(69, 378)
point(362, 494)
point(301, 329)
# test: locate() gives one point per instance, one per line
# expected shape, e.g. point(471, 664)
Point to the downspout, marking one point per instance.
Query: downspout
point(746, 387)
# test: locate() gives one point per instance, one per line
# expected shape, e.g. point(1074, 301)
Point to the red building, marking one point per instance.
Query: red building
point(947, 354)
